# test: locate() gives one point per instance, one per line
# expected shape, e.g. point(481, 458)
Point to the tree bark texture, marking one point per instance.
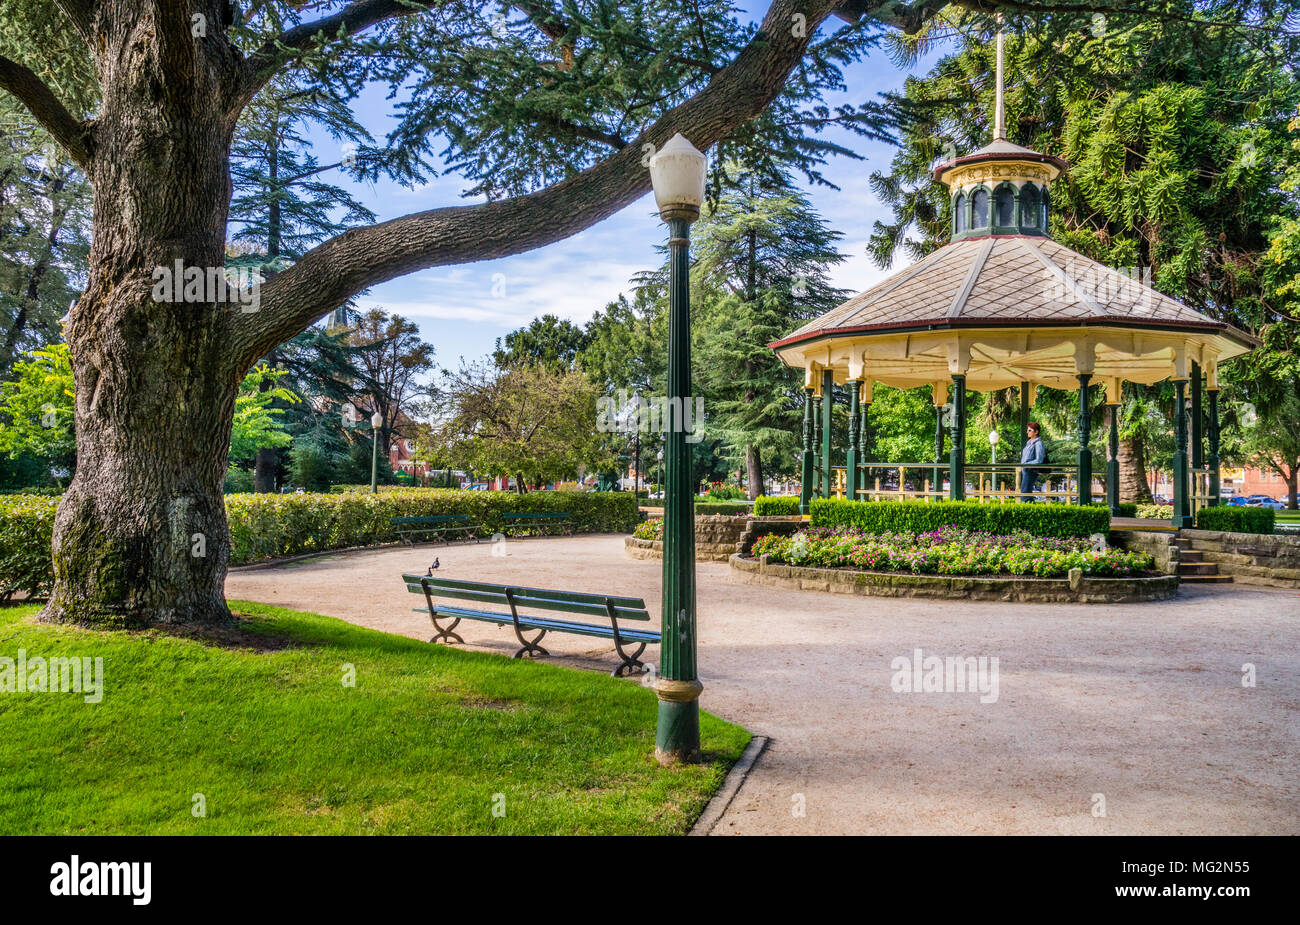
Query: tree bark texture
point(1133, 487)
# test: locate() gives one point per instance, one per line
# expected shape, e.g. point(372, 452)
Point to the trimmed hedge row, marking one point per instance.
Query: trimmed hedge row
point(26, 531)
point(266, 526)
point(1127, 509)
point(769, 506)
point(1234, 519)
point(1064, 520)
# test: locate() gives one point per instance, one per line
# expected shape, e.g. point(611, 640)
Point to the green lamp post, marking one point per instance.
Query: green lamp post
point(677, 173)
point(376, 422)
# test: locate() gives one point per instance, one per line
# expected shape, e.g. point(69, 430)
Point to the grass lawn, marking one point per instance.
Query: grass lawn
point(265, 729)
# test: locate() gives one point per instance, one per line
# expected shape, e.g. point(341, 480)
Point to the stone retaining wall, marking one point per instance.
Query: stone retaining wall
point(1158, 544)
point(717, 536)
point(1250, 558)
point(1076, 589)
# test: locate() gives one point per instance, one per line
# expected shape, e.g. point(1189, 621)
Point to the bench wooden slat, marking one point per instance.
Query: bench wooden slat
point(625, 608)
point(525, 601)
point(585, 597)
point(573, 602)
point(565, 626)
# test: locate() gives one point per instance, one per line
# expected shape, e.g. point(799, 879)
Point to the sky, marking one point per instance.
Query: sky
point(462, 310)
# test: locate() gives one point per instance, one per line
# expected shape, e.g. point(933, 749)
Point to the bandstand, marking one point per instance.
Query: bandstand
point(1003, 305)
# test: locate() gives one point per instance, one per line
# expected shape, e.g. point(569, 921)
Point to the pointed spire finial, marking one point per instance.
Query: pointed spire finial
point(999, 111)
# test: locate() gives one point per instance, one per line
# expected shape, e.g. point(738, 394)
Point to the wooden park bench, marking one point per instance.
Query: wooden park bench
point(436, 525)
point(527, 520)
point(510, 599)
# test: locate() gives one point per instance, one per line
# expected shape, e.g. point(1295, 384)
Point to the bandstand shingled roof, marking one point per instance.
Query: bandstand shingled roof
point(1008, 279)
point(983, 292)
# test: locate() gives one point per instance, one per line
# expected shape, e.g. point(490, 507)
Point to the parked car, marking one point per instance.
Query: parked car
point(1235, 501)
point(1259, 500)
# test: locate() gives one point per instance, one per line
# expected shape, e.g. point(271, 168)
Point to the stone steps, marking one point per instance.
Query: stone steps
point(1192, 567)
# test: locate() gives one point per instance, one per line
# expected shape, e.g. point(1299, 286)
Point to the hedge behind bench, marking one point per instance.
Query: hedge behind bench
point(1062, 520)
point(266, 526)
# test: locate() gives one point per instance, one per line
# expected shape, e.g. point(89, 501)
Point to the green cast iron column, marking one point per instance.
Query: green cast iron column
point(678, 688)
point(806, 463)
point(1112, 460)
point(1213, 459)
point(1024, 413)
point(1085, 434)
point(957, 455)
point(855, 437)
point(828, 417)
point(1198, 443)
point(864, 439)
point(938, 448)
point(818, 464)
point(1182, 504)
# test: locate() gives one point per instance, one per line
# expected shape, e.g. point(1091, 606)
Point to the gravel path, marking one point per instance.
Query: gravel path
point(1138, 709)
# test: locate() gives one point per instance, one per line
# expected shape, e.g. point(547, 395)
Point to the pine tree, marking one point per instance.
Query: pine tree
point(762, 262)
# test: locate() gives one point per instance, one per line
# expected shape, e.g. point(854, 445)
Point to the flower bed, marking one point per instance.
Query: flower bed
point(652, 529)
point(950, 550)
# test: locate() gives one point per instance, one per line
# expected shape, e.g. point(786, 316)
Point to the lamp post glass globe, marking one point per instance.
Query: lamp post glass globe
point(376, 422)
point(677, 172)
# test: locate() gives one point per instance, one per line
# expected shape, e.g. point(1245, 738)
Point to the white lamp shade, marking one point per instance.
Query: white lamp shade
point(376, 420)
point(993, 437)
point(677, 173)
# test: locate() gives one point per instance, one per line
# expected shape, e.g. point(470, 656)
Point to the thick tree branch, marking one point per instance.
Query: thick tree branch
point(73, 135)
point(344, 265)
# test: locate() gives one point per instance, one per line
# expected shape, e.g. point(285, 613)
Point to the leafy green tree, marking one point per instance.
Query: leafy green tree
point(531, 422)
point(549, 341)
point(44, 235)
point(392, 359)
point(36, 410)
point(257, 422)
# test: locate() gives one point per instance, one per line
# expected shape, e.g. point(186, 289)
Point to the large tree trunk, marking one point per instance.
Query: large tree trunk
point(141, 536)
point(1133, 487)
point(754, 471)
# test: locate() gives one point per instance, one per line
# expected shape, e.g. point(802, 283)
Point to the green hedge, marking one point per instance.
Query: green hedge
point(266, 526)
point(1235, 519)
point(1127, 509)
point(768, 506)
point(1062, 520)
point(26, 530)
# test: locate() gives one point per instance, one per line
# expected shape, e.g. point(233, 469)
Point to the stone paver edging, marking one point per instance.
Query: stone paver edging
point(1076, 589)
point(735, 779)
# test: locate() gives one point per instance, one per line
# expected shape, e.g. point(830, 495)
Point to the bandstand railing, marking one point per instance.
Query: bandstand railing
point(893, 481)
